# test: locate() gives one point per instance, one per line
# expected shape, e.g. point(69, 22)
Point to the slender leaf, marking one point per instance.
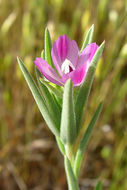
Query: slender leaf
point(98, 186)
point(72, 182)
point(38, 98)
point(98, 54)
point(60, 145)
point(82, 97)
point(48, 47)
point(68, 125)
point(55, 91)
point(88, 38)
point(85, 88)
point(85, 140)
point(52, 106)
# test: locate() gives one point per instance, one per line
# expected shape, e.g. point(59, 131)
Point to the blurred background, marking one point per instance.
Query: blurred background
point(29, 157)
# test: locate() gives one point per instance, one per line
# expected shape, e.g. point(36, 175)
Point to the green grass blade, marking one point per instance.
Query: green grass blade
point(68, 125)
point(72, 182)
point(48, 47)
point(88, 38)
point(85, 140)
point(38, 98)
point(82, 96)
point(98, 186)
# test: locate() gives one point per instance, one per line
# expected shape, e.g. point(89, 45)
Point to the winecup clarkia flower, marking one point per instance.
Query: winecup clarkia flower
point(67, 61)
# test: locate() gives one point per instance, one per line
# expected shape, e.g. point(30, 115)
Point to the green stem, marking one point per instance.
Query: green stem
point(69, 153)
point(71, 179)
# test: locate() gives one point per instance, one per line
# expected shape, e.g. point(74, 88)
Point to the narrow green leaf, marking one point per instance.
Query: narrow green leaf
point(48, 47)
point(82, 96)
point(88, 38)
point(52, 106)
point(85, 139)
point(55, 91)
point(38, 98)
point(98, 186)
point(68, 125)
point(60, 145)
point(38, 74)
point(72, 182)
point(98, 54)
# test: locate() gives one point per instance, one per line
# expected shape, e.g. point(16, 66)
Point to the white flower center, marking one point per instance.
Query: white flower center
point(67, 67)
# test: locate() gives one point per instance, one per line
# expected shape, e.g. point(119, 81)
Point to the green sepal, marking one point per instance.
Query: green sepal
point(68, 124)
point(85, 139)
point(58, 92)
point(83, 93)
point(48, 46)
point(60, 145)
point(51, 104)
point(39, 99)
point(88, 38)
point(98, 186)
point(72, 181)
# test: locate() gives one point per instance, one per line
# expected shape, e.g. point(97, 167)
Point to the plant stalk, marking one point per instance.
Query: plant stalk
point(71, 179)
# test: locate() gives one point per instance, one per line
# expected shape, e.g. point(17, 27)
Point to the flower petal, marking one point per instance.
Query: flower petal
point(72, 54)
point(47, 71)
point(77, 76)
point(62, 49)
point(87, 54)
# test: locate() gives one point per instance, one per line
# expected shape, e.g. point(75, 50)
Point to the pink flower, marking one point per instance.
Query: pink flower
point(67, 61)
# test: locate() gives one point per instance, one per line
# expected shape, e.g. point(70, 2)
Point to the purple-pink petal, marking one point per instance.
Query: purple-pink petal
point(87, 54)
point(77, 76)
point(72, 54)
point(62, 49)
point(67, 61)
point(47, 71)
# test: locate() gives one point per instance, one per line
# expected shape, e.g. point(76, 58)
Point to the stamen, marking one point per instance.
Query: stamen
point(67, 67)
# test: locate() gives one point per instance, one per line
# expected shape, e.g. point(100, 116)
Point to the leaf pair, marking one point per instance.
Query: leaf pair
point(40, 100)
point(47, 104)
point(51, 103)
